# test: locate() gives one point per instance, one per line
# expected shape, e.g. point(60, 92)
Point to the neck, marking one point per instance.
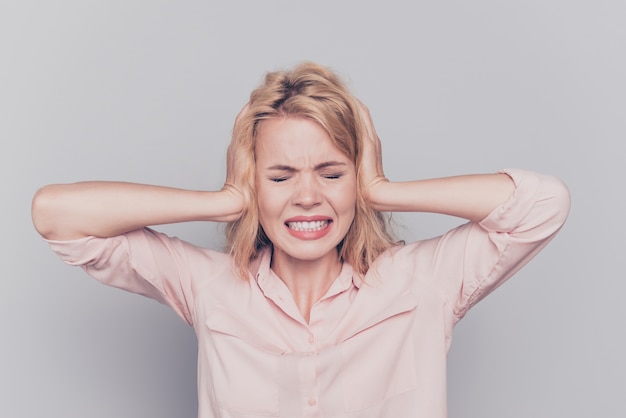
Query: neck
point(307, 280)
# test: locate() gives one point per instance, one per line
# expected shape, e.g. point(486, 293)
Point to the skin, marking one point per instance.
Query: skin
point(302, 177)
point(69, 211)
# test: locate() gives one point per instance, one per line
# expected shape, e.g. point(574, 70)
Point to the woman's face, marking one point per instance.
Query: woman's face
point(306, 189)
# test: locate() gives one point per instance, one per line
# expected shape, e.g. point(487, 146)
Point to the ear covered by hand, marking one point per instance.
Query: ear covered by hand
point(238, 166)
point(371, 168)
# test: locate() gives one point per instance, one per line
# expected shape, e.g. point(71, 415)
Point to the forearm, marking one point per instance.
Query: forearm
point(104, 209)
point(471, 197)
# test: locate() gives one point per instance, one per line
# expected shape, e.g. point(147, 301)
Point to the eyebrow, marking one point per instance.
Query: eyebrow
point(326, 164)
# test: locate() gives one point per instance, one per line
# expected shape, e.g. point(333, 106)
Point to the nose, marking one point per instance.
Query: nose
point(307, 193)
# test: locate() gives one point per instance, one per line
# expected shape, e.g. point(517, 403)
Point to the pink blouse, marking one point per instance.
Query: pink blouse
point(372, 348)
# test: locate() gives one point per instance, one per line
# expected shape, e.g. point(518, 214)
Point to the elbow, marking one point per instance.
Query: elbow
point(563, 200)
point(555, 203)
point(42, 211)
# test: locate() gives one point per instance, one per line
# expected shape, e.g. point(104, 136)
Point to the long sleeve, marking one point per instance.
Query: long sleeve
point(147, 263)
point(469, 262)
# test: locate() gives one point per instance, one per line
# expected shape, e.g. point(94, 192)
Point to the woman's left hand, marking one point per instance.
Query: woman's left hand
point(372, 173)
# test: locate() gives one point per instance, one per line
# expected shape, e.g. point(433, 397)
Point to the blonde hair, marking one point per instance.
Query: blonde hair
point(314, 92)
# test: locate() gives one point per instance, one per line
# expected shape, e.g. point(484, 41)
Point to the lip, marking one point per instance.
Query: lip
point(309, 235)
point(312, 218)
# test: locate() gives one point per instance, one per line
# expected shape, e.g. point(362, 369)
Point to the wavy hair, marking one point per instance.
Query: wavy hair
point(314, 92)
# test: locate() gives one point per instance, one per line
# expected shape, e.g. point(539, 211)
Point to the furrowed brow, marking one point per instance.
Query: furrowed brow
point(280, 167)
point(321, 166)
point(330, 164)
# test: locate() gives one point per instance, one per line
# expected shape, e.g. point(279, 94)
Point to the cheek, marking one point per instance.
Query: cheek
point(350, 195)
point(351, 202)
point(345, 201)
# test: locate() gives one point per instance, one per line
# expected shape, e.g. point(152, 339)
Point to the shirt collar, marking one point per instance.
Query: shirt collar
point(269, 282)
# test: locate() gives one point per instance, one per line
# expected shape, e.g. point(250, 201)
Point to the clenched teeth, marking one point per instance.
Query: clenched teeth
point(308, 226)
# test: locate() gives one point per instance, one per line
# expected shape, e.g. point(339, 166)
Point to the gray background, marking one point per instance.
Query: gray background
point(147, 91)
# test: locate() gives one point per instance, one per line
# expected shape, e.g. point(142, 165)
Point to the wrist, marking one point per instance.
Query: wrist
point(376, 193)
point(227, 204)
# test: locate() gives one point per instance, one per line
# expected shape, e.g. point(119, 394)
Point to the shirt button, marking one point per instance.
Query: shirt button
point(311, 401)
point(311, 339)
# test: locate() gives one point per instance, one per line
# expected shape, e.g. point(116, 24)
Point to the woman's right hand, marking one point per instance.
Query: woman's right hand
point(237, 168)
point(105, 209)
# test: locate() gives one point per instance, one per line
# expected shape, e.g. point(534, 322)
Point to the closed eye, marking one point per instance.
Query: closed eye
point(333, 176)
point(278, 179)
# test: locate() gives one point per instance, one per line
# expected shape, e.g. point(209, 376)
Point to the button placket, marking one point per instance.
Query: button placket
point(308, 373)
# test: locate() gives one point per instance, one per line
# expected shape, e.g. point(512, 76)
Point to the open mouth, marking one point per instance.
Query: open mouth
point(308, 226)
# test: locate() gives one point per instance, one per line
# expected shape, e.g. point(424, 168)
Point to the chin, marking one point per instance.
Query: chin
point(307, 252)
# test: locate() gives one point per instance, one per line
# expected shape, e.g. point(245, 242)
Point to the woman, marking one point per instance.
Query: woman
point(315, 310)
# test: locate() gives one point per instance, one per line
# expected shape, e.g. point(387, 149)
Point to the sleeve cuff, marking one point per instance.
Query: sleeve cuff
point(509, 214)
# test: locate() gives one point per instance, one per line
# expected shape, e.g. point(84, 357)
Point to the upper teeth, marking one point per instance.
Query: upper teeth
point(307, 226)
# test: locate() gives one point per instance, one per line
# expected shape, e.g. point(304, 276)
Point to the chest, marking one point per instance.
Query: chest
point(265, 362)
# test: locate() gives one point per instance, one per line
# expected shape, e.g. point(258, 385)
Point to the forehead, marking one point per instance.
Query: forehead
point(294, 140)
